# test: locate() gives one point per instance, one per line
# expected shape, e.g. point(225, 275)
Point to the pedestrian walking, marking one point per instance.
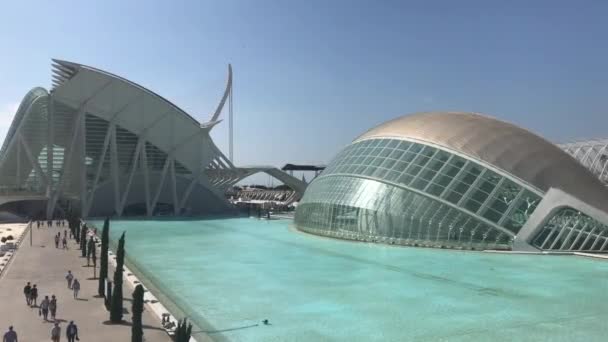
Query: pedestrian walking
point(64, 242)
point(34, 296)
point(10, 335)
point(57, 240)
point(76, 288)
point(71, 332)
point(53, 307)
point(27, 290)
point(44, 308)
point(69, 277)
point(56, 333)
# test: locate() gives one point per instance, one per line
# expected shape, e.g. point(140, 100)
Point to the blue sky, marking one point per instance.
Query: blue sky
point(312, 75)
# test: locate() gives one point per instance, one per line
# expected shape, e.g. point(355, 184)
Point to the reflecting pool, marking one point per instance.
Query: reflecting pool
point(228, 275)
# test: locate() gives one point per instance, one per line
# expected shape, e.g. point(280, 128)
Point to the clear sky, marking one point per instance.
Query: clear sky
point(312, 75)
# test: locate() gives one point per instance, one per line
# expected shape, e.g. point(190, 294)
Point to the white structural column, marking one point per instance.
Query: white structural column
point(104, 149)
point(83, 161)
point(144, 166)
point(174, 188)
point(114, 168)
point(67, 161)
point(18, 173)
point(50, 144)
point(231, 115)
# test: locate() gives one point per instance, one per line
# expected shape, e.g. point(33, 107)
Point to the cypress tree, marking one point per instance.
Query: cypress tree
point(116, 305)
point(83, 240)
point(90, 249)
point(94, 258)
point(103, 265)
point(77, 231)
point(183, 331)
point(137, 308)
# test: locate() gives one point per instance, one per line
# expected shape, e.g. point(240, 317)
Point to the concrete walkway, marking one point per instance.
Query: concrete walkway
point(46, 266)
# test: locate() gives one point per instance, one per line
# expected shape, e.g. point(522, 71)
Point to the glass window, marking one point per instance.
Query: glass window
point(378, 161)
point(435, 189)
point(413, 169)
point(374, 142)
point(369, 171)
point(388, 163)
point(392, 176)
point(405, 179)
point(419, 183)
point(393, 143)
point(383, 143)
point(385, 152)
point(415, 148)
point(400, 166)
point(408, 157)
point(404, 145)
point(360, 169)
point(492, 215)
point(396, 154)
point(363, 143)
point(380, 172)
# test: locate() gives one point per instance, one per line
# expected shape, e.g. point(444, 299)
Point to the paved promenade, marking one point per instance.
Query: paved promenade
point(46, 266)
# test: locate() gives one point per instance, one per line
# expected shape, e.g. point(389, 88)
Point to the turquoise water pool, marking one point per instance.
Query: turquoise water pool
point(230, 274)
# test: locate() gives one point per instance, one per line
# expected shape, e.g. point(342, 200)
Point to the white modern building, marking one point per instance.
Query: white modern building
point(102, 145)
point(459, 180)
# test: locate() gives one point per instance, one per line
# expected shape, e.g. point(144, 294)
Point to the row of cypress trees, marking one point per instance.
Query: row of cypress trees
point(184, 329)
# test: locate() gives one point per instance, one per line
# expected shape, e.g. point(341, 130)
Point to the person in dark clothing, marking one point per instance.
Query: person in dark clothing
point(53, 307)
point(64, 242)
point(27, 292)
point(57, 240)
point(44, 307)
point(10, 335)
point(34, 296)
point(69, 277)
point(71, 332)
point(76, 288)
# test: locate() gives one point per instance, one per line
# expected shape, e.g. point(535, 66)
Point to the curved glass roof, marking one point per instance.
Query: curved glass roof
point(444, 176)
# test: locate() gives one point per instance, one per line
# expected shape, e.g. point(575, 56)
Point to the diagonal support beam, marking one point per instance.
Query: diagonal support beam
point(32, 160)
point(106, 144)
point(134, 163)
point(66, 163)
point(162, 181)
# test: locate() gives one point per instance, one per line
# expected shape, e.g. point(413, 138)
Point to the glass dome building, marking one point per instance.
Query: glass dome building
point(457, 180)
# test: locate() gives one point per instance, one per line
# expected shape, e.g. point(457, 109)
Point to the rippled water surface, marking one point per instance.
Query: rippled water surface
point(230, 274)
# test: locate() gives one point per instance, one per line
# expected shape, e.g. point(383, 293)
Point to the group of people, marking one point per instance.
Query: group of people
point(64, 240)
point(49, 223)
point(71, 333)
point(73, 284)
point(49, 305)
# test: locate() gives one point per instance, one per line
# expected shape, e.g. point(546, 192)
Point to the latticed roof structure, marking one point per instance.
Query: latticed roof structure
point(461, 180)
point(593, 154)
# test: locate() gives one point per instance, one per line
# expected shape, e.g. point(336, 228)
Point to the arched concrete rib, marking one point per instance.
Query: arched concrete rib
point(243, 172)
point(220, 106)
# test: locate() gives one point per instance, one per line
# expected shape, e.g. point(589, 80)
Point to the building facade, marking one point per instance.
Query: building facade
point(101, 145)
point(457, 180)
